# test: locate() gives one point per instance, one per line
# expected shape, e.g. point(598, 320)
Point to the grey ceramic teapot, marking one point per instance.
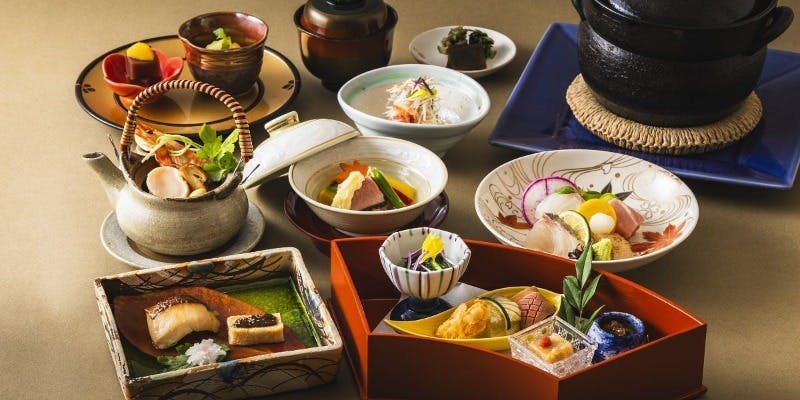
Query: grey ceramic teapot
point(172, 226)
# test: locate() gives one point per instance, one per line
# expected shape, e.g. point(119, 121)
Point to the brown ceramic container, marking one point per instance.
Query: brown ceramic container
point(233, 70)
point(341, 39)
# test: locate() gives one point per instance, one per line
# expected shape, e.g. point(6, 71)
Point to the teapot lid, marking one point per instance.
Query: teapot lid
point(344, 19)
point(291, 141)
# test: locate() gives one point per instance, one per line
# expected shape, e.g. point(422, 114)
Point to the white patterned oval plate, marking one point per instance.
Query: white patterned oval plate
point(667, 204)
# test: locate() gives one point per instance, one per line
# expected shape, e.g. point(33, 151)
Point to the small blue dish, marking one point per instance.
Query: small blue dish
point(610, 344)
point(537, 118)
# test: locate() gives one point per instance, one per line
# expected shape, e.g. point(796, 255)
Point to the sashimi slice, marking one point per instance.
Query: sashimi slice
point(628, 219)
point(550, 236)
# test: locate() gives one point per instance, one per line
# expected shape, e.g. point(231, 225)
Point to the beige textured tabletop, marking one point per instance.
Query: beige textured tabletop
point(739, 270)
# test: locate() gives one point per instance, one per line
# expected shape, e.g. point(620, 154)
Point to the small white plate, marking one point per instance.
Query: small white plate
point(423, 48)
point(123, 249)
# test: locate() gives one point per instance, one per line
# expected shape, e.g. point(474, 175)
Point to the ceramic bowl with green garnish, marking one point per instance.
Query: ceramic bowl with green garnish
point(225, 49)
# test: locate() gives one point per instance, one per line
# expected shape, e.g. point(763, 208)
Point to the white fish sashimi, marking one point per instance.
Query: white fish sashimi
point(552, 237)
point(557, 203)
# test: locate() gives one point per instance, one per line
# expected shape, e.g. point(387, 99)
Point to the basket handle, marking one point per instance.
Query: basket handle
point(239, 117)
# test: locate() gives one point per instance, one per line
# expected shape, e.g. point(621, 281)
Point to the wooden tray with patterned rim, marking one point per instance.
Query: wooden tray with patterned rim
point(391, 365)
point(183, 112)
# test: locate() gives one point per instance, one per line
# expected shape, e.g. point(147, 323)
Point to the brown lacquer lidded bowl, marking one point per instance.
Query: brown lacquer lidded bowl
point(234, 70)
point(340, 39)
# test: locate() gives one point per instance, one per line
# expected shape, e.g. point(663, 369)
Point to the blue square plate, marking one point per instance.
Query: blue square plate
point(537, 118)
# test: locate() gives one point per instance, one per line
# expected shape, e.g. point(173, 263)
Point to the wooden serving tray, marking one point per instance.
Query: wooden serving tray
point(389, 365)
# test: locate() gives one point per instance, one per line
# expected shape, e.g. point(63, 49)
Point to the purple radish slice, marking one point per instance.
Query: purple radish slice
point(537, 191)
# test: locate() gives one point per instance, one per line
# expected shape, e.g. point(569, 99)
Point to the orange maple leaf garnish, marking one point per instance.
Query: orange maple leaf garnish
point(656, 241)
point(512, 221)
point(348, 168)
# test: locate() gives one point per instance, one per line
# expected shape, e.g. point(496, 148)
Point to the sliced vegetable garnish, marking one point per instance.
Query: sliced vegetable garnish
point(327, 193)
point(403, 198)
point(429, 256)
point(578, 225)
point(402, 188)
point(538, 190)
point(348, 168)
point(385, 188)
point(503, 309)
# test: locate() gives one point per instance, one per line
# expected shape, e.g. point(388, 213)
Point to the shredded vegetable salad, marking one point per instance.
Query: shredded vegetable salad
point(414, 101)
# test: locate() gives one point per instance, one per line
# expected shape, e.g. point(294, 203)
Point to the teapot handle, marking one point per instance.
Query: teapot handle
point(239, 117)
point(779, 20)
point(579, 8)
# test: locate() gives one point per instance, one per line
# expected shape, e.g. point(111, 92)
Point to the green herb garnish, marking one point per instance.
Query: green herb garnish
point(223, 42)
point(463, 36)
point(565, 190)
point(605, 193)
point(217, 153)
point(577, 293)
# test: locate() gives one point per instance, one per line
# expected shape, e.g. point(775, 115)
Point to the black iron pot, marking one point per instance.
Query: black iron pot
point(674, 76)
point(686, 12)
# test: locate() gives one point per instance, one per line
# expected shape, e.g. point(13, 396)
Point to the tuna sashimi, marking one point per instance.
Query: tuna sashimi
point(369, 195)
point(628, 219)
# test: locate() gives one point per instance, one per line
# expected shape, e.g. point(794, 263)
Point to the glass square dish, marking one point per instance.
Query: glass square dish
point(554, 329)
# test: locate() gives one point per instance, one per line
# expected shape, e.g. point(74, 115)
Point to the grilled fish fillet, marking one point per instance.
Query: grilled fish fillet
point(170, 320)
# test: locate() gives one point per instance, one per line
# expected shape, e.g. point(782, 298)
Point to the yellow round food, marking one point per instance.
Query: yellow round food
point(596, 206)
point(140, 51)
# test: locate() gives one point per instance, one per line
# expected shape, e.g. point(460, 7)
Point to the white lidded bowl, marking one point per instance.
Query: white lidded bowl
point(463, 103)
point(423, 285)
point(658, 195)
point(401, 159)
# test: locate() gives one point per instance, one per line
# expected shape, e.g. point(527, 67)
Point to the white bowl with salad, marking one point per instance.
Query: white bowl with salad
point(369, 185)
point(627, 211)
point(432, 106)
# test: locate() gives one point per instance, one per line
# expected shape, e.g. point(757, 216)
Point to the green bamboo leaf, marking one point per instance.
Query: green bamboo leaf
point(593, 316)
point(572, 293)
point(584, 264)
point(589, 291)
point(568, 314)
point(606, 188)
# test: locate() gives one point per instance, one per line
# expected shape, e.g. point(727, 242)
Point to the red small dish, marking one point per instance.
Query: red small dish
point(114, 72)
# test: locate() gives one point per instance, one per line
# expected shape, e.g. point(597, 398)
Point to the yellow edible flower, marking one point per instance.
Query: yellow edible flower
point(431, 247)
point(421, 94)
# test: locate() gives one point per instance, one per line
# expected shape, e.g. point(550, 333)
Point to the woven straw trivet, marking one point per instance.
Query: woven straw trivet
point(658, 139)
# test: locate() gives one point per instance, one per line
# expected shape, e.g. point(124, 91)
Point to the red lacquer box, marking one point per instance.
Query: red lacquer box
point(392, 366)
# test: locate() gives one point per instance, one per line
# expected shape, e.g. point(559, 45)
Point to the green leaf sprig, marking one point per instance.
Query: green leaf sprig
point(578, 291)
point(463, 36)
point(174, 363)
point(217, 153)
point(605, 193)
point(223, 40)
